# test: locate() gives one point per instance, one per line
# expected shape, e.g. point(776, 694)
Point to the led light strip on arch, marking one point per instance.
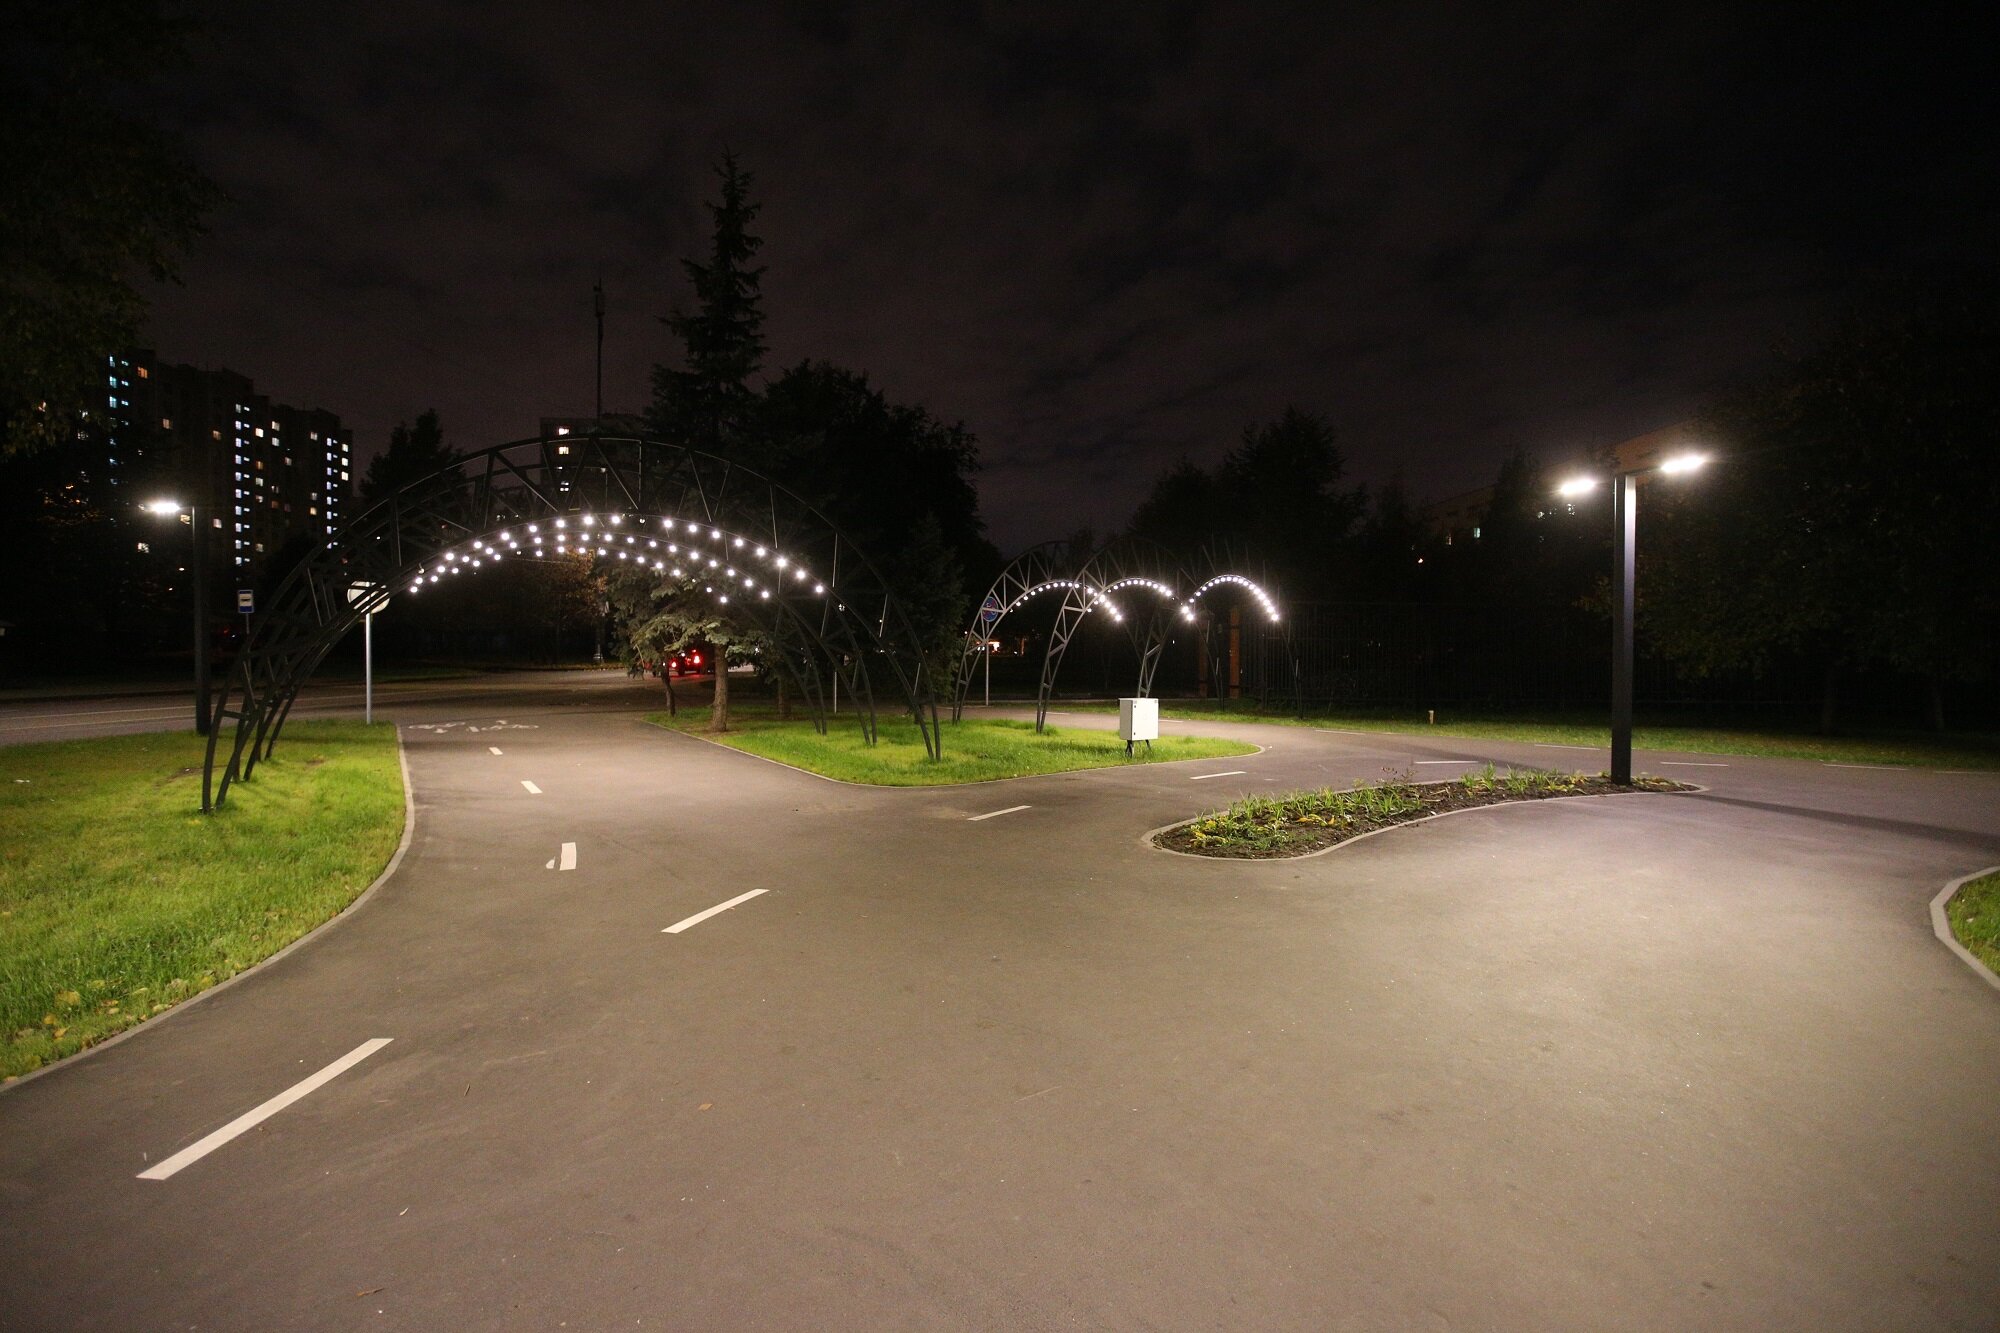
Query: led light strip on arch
point(1263, 598)
point(626, 546)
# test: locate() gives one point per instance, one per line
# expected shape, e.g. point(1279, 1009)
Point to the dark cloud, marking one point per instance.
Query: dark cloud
point(1103, 236)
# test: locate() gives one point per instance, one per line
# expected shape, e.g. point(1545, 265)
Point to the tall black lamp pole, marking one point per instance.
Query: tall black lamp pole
point(198, 553)
point(1624, 583)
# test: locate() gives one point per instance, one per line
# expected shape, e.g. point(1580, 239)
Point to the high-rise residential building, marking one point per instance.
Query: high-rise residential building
point(266, 474)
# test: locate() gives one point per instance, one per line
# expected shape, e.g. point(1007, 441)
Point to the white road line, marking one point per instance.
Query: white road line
point(1551, 745)
point(1873, 768)
point(995, 814)
point(568, 856)
point(494, 748)
point(194, 1152)
point(533, 790)
point(1203, 777)
point(1688, 763)
point(700, 917)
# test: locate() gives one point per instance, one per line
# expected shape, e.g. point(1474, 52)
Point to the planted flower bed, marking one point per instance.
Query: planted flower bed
point(1309, 821)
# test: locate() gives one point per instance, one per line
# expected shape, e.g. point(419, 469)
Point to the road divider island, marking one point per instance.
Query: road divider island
point(1301, 823)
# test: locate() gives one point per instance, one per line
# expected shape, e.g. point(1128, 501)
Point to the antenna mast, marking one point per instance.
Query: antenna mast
point(598, 293)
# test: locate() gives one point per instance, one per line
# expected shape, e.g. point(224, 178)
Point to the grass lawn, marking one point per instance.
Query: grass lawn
point(1967, 751)
point(974, 751)
point(118, 898)
point(1975, 918)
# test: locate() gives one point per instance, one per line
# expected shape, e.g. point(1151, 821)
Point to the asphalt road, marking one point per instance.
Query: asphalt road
point(1643, 1062)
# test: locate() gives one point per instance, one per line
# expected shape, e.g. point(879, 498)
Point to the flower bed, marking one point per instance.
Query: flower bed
point(1299, 823)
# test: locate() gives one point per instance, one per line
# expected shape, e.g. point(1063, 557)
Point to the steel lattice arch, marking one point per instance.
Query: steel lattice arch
point(774, 559)
point(1140, 585)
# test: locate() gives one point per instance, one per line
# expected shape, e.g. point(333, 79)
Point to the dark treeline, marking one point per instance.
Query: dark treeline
point(1836, 556)
point(895, 479)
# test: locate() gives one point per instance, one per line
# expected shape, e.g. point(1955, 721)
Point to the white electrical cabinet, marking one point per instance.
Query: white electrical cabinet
point(1138, 720)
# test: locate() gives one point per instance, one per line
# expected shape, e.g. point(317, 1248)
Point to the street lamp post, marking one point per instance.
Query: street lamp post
point(1624, 585)
point(198, 557)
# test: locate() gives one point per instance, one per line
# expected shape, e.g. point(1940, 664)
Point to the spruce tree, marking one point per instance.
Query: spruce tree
point(708, 402)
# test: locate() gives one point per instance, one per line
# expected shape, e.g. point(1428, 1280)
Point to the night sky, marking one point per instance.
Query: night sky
point(1104, 237)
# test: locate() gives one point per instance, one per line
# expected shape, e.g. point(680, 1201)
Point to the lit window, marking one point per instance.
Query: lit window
point(166, 423)
point(260, 432)
point(142, 372)
point(145, 548)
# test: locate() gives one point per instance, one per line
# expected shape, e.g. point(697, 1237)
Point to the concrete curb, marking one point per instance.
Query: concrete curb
point(1942, 924)
point(395, 860)
point(1146, 839)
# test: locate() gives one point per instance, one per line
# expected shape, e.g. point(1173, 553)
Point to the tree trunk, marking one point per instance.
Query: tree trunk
point(1936, 702)
point(718, 716)
point(667, 681)
point(784, 701)
point(1829, 693)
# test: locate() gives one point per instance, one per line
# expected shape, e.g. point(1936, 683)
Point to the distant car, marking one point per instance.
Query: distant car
point(693, 660)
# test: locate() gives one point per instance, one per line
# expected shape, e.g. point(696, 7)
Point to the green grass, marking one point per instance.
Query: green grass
point(1966, 751)
point(974, 751)
point(1975, 918)
point(118, 898)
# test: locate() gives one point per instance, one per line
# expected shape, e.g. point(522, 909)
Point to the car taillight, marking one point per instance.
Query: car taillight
point(696, 659)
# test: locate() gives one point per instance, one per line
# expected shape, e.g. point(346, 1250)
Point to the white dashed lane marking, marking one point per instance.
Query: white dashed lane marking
point(700, 917)
point(995, 814)
point(533, 790)
point(194, 1152)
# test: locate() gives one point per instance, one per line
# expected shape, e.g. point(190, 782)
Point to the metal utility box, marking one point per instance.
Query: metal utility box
point(1138, 720)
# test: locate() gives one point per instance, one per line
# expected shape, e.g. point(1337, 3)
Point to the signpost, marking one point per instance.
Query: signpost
point(356, 594)
point(246, 606)
point(989, 612)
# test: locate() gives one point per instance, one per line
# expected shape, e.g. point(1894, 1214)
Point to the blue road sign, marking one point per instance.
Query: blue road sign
point(246, 602)
point(989, 610)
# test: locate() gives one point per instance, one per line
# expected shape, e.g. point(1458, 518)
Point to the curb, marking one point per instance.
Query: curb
point(1942, 925)
point(1146, 838)
point(395, 859)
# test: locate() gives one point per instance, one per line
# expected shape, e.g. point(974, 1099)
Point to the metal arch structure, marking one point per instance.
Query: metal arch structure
point(1127, 563)
point(1214, 568)
point(1140, 584)
point(1048, 567)
point(802, 578)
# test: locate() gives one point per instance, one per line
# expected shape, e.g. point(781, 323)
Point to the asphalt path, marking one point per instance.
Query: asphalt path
point(1634, 1062)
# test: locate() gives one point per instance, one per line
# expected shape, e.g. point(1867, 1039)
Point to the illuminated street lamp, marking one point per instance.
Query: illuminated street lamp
point(1625, 521)
point(198, 559)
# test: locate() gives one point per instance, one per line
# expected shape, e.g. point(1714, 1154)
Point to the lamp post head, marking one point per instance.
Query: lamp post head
point(1681, 463)
point(163, 506)
point(1576, 486)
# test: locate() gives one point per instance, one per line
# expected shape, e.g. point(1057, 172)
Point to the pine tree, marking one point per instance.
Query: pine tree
point(414, 452)
point(708, 403)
